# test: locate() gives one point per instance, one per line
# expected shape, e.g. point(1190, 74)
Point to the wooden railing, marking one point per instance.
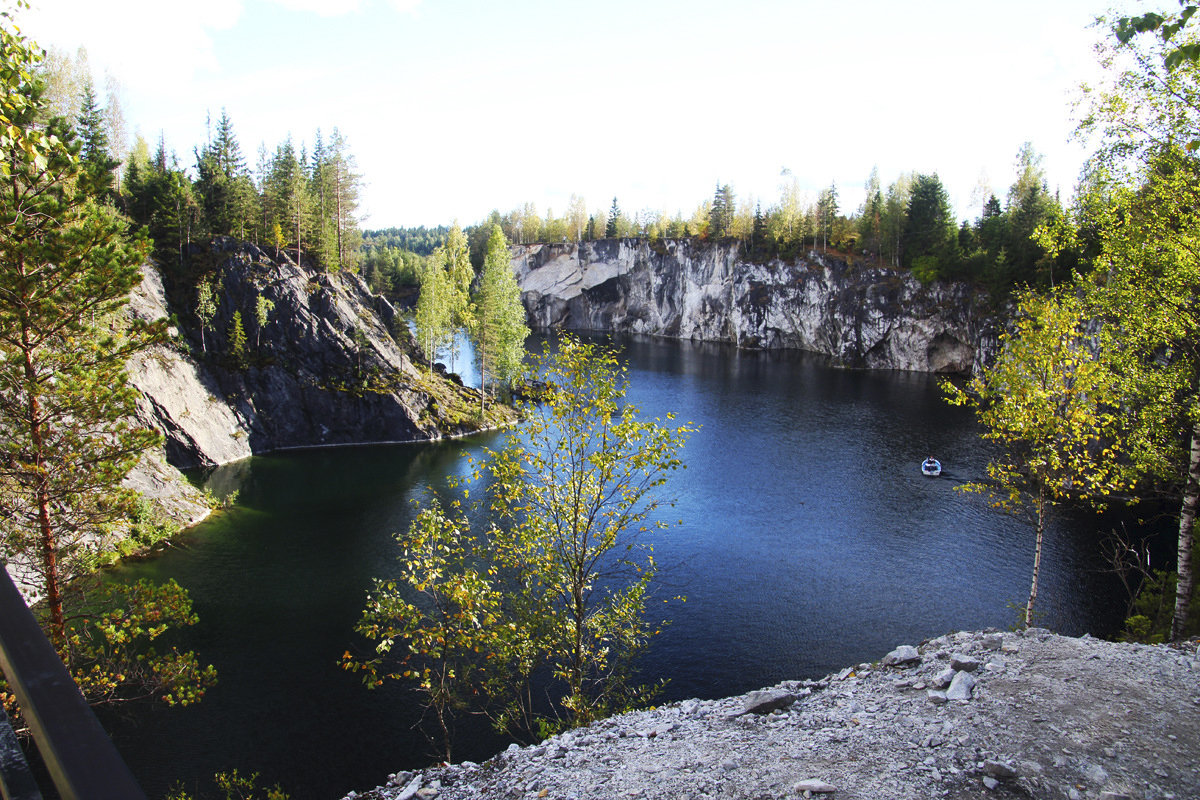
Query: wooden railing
point(78, 754)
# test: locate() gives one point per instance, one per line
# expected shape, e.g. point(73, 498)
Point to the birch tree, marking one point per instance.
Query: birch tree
point(499, 327)
point(1052, 403)
point(434, 320)
point(553, 581)
point(1147, 273)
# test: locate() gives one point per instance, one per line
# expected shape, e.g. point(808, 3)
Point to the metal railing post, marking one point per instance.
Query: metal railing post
point(82, 760)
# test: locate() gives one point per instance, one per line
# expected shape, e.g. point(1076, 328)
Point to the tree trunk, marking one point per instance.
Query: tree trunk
point(1040, 510)
point(49, 546)
point(337, 190)
point(1187, 518)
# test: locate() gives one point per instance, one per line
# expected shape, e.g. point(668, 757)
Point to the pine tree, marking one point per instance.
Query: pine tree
point(66, 270)
point(346, 186)
point(870, 218)
point(827, 209)
point(66, 436)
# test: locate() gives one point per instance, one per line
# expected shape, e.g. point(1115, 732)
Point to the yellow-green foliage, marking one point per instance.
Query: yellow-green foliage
point(1051, 403)
point(552, 580)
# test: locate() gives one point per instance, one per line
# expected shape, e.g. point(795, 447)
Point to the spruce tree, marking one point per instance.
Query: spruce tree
point(223, 182)
point(614, 214)
point(720, 217)
point(97, 163)
point(929, 228)
point(237, 341)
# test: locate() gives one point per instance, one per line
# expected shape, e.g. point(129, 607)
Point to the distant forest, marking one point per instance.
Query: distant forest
point(305, 202)
point(909, 225)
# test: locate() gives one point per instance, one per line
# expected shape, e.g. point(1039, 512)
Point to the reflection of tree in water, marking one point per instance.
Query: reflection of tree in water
point(226, 481)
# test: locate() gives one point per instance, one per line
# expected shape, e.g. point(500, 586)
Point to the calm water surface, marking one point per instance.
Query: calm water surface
point(810, 541)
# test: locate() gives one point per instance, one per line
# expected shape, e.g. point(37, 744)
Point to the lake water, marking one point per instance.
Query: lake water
point(810, 541)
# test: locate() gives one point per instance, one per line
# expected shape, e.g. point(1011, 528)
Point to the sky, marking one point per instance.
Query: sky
point(453, 108)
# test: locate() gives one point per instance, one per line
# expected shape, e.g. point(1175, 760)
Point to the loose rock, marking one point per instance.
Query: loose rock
point(961, 687)
point(1047, 726)
point(764, 702)
point(903, 655)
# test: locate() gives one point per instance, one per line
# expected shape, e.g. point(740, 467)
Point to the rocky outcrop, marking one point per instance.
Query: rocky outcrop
point(968, 715)
point(332, 365)
point(858, 315)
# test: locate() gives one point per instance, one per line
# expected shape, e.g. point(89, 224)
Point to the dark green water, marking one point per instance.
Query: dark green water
point(810, 542)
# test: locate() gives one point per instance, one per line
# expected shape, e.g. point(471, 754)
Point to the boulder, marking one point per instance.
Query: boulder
point(961, 687)
point(766, 701)
point(904, 655)
point(963, 663)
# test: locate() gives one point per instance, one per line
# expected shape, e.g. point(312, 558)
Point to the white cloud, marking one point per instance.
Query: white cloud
point(323, 8)
point(405, 6)
point(150, 45)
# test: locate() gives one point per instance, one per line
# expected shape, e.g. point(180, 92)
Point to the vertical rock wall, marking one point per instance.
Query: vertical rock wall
point(860, 316)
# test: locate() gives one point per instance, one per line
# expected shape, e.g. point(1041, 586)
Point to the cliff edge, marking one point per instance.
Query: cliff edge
point(858, 315)
point(322, 361)
point(967, 715)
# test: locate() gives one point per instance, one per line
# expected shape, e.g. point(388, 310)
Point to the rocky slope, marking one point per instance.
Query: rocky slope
point(968, 715)
point(333, 365)
point(858, 315)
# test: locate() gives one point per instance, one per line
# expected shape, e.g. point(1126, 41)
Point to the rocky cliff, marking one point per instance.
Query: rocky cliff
point(332, 364)
point(968, 715)
point(858, 315)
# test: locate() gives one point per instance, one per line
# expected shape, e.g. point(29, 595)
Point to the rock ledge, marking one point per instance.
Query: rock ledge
point(1042, 716)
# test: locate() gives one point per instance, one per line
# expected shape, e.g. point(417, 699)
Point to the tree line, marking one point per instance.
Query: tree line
point(298, 201)
point(909, 225)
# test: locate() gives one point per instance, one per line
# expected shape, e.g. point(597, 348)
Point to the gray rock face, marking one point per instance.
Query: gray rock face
point(332, 366)
point(181, 398)
point(860, 316)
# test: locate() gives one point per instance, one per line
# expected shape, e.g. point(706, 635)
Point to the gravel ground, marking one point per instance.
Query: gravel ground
point(968, 715)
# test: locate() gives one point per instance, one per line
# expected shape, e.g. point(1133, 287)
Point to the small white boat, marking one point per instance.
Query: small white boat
point(931, 467)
